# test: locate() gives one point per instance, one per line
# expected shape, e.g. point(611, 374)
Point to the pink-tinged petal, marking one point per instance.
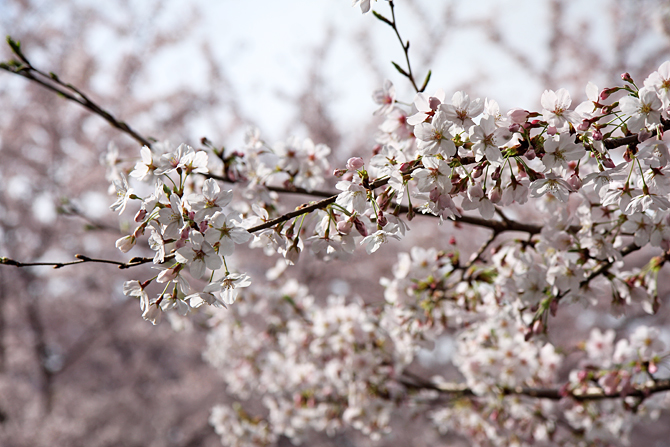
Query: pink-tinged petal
point(417, 118)
point(592, 92)
point(563, 100)
point(548, 100)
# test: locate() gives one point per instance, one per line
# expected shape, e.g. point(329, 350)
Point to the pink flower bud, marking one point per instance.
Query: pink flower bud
point(495, 195)
point(608, 163)
point(575, 182)
point(139, 231)
point(452, 240)
point(626, 77)
point(125, 243)
point(344, 226)
point(597, 135)
point(382, 220)
point(339, 172)
point(355, 163)
point(434, 103)
point(405, 167)
point(514, 127)
point(583, 126)
point(643, 135)
point(530, 154)
point(383, 200)
point(496, 174)
point(169, 274)
point(518, 116)
point(652, 368)
point(141, 214)
point(551, 130)
point(628, 156)
point(360, 227)
point(479, 170)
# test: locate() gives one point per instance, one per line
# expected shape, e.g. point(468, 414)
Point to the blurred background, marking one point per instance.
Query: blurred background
point(78, 365)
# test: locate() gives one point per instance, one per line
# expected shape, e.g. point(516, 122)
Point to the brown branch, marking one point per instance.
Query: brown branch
point(605, 266)
point(81, 259)
point(477, 255)
point(68, 91)
point(613, 143)
point(302, 209)
point(579, 394)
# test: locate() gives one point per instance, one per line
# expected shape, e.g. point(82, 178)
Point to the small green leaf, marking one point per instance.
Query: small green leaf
point(399, 68)
point(382, 18)
point(425, 82)
point(14, 44)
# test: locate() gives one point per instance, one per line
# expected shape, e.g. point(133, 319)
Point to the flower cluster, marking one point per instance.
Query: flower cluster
point(321, 367)
point(191, 233)
point(325, 367)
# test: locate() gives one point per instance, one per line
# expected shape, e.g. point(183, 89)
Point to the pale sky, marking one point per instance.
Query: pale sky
point(266, 48)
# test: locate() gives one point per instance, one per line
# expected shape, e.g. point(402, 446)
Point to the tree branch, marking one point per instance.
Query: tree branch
point(51, 81)
point(82, 259)
point(579, 394)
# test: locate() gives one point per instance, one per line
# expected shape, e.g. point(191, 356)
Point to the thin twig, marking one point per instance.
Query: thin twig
point(405, 48)
point(81, 259)
point(605, 266)
point(68, 91)
point(475, 256)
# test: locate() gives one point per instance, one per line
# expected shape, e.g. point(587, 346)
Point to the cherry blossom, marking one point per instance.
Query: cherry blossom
point(556, 108)
point(644, 110)
point(435, 137)
point(462, 110)
point(124, 193)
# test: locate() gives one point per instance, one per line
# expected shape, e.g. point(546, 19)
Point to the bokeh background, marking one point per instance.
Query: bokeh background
point(78, 365)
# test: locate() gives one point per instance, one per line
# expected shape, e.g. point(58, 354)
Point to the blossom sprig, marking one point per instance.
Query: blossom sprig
point(196, 230)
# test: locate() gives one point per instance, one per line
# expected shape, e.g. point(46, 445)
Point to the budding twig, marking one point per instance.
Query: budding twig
point(51, 81)
point(405, 47)
point(81, 259)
